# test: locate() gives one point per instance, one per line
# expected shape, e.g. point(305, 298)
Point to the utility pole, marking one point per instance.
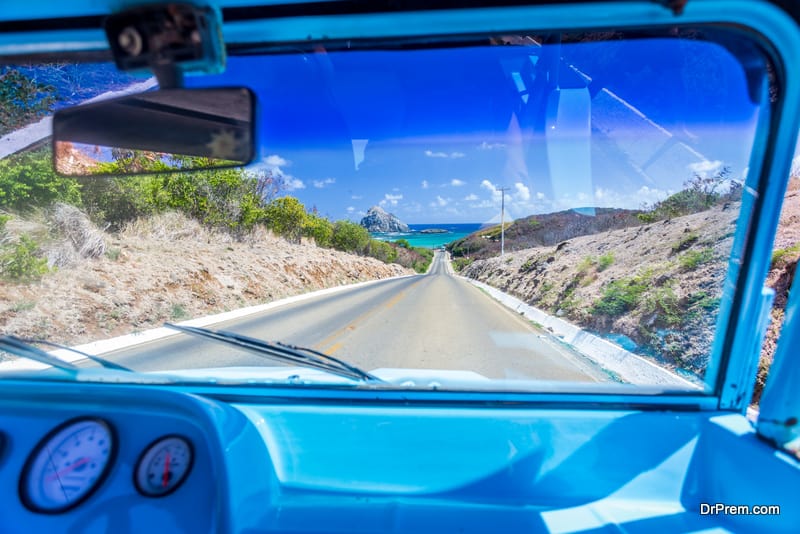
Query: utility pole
point(503, 219)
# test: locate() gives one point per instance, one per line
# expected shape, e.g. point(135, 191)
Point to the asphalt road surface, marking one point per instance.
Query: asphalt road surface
point(431, 321)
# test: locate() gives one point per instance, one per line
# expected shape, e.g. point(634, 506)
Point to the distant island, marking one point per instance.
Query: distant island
point(434, 231)
point(377, 220)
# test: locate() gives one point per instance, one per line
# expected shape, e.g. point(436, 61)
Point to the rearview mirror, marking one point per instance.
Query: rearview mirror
point(160, 131)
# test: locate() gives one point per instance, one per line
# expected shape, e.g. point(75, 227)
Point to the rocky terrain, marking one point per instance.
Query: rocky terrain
point(586, 277)
point(378, 220)
point(543, 230)
point(166, 267)
point(655, 288)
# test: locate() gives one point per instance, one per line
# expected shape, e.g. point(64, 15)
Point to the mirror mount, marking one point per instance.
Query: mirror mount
point(169, 76)
point(167, 39)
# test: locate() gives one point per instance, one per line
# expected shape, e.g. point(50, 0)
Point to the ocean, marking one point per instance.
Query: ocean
point(418, 239)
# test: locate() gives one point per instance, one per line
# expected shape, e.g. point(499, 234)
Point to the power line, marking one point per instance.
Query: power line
point(503, 219)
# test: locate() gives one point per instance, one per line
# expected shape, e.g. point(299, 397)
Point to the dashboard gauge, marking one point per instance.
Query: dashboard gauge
point(68, 465)
point(163, 466)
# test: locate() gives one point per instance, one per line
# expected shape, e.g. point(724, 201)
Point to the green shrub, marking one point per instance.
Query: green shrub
point(620, 296)
point(178, 312)
point(686, 241)
point(234, 200)
point(692, 259)
point(700, 193)
point(286, 217)
point(27, 180)
point(381, 250)
point(704, 301)
point(21, 262)
point(403, 243)
point(319, 229)
point(425, 257)
point(782, 256)
point(349, 237)
point(584, 265)
point(605, 261)
point(459, 264)
point(113, 253)
point(663, 302)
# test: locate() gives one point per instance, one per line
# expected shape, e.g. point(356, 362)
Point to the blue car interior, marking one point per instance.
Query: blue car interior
point(308, 458)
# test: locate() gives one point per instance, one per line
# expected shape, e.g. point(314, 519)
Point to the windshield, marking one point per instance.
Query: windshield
point(522, 211)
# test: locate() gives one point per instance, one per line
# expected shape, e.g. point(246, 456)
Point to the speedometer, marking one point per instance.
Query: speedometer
point(68, 465)
point(163, 466)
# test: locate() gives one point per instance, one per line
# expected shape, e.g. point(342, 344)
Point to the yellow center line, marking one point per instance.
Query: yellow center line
point(330, 343)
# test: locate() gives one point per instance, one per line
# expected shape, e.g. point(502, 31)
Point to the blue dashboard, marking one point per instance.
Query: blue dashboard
point(264, 464)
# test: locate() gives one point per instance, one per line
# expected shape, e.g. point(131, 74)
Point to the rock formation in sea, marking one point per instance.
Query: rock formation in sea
point(378, 220)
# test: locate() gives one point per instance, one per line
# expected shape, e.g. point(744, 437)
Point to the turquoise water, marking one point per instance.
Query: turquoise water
point(417, 239)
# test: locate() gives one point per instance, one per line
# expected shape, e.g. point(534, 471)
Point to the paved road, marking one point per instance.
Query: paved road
point(432, 321)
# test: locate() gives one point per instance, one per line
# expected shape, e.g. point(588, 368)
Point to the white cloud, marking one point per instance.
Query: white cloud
point(490, 146)
point(539, 196)
point(489, 186)
point(356, 197)
point(273, 164)
point(483, 204)
point(275, 160)
point(454, 155)
point(471, 197)
point(391, 200)
point(319, 184)
point(439, 202)
point(350, 209)
point(609, 198)
point(425, 184)
point(455, 182)
point(703, 168)
point(293, 183)
point(523, 193)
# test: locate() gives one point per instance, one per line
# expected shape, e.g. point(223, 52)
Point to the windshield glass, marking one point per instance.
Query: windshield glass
point(540, 211)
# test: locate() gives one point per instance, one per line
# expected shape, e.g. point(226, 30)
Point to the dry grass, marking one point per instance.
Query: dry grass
point(167, 267)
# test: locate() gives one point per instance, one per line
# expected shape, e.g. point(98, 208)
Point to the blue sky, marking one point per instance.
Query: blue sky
point(432, 135)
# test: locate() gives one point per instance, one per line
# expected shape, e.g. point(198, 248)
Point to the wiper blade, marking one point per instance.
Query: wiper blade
point(97, 359)
point(18, 347)
point(280, 351)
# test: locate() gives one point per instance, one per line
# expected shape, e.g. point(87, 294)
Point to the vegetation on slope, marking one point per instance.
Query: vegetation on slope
point(654, 286)
point(234, 201)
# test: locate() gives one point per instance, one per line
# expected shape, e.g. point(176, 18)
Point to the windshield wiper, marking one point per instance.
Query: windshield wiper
point(23, 348)
point(14, 345)
point(281, 352)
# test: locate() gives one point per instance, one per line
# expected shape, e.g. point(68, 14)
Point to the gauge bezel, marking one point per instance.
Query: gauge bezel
point(143, 454)
point(26, 469)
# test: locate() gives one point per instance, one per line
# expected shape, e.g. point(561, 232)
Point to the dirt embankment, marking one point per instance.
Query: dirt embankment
point(670, 305)
point(655, 288)
point(165, 268)
point(780, 277)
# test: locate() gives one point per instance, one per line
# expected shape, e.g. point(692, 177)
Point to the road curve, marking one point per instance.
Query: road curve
point(431, 321)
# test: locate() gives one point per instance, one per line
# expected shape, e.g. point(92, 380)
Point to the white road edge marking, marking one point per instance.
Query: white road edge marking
point(97, 348)
point(630, 367)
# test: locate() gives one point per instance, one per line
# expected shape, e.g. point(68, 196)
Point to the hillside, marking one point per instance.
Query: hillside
point(160, 268)
point(571, 279)
point(784, 265)
point(654, 288)
point(543, 230)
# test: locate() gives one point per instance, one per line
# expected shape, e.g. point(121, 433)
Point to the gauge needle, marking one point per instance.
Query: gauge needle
point(165, 476)
point(69, 468)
